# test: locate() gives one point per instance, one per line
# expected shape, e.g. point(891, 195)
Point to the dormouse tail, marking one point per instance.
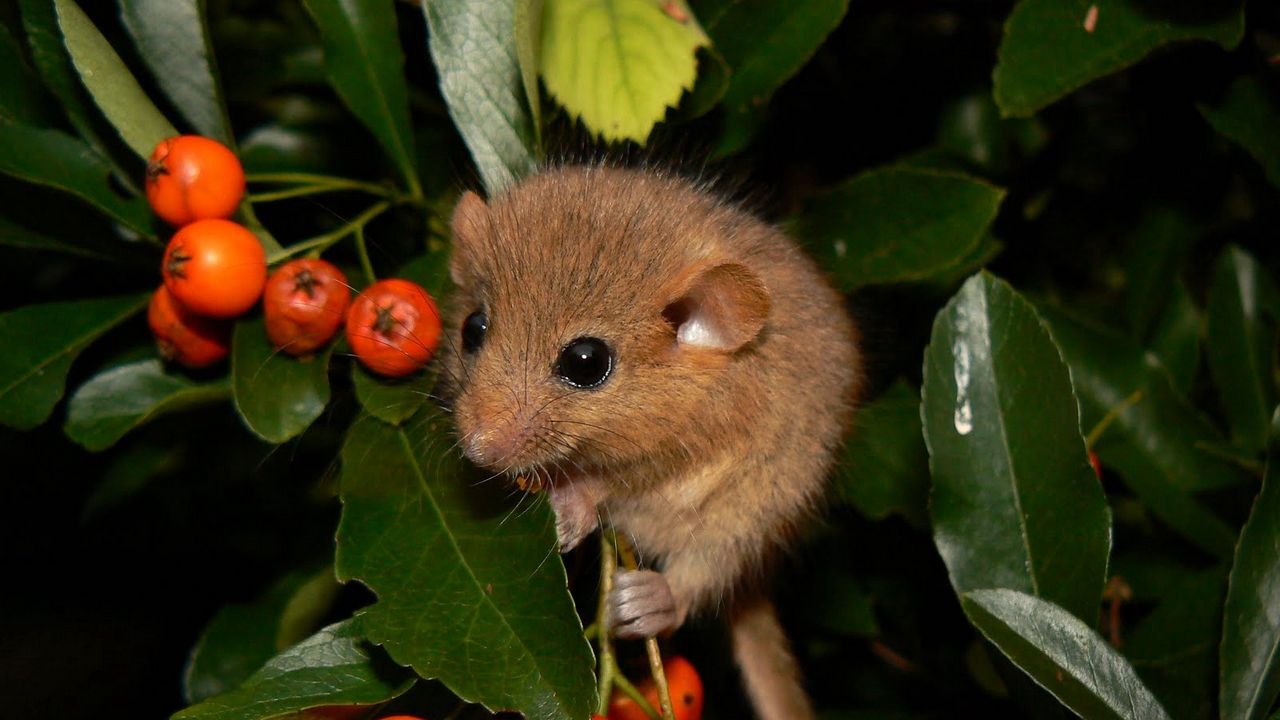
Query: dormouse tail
point(769, 670)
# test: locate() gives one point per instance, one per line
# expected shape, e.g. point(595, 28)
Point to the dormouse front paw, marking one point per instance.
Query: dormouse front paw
point(641, 605)
point(575, 515)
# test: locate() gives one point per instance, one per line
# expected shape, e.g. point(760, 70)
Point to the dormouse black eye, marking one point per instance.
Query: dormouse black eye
point(585, 362)
point(473, 330)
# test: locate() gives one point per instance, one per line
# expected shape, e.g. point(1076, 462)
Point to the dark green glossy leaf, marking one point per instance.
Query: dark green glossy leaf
point(172, 38)
point(1155, 251)
point(1014, 503)
point(365, 65)
point(112, 86)
point(50, 57)
point(1111, 373)
point(277, 395)
point(898, 225)
point(58, 160)
point(1250, 650)
point(22, 97)
point(40, 342)
point(1172, 648)
point(1047, 52)
point(333, 667)
point(241, 638)
point(973, 129)
point(1062, 654)
point(130, 472)
point(766, 42)
point(528, 23)
point(713, 82)
point(120, 399)
point(1154, 438)
point(1241, 338)
point(467, 580)
point(475, 56)
point(885, 467)
point(1176, 507)
point(1249, 115)
point(391, 400)
point(16, 236)
point(1175, 337)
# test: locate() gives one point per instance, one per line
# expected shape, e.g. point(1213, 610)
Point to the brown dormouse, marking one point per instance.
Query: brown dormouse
point(667, 365)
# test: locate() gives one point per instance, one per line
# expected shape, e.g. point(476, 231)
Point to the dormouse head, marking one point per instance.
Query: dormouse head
point(596, 312)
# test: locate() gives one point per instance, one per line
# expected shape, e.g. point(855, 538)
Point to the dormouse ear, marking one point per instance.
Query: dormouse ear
point(470, 221)
point(721, 307)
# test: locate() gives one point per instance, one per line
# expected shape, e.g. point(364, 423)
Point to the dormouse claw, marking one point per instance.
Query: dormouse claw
point(641, 605)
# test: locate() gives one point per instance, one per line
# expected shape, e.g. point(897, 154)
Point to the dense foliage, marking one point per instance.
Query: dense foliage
point(1056, 222)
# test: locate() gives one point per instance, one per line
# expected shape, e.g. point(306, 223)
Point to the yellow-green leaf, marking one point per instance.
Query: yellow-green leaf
point(618, 64)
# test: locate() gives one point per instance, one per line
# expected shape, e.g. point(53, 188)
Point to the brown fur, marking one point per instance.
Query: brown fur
point(710, 459)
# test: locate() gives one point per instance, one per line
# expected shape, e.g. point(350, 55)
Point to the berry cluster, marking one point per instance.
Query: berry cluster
point(215, 269)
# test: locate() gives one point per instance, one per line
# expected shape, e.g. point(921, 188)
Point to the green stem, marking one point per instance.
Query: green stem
point(325, 240)
point(300, 191)
point(269, 243)
point(651, 643)
point(362, 250)
point(607, 664)
point(630, 691)
point(1096, 433)
point(328, 181)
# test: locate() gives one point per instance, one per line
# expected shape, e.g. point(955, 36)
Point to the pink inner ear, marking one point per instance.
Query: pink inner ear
point(724, 308)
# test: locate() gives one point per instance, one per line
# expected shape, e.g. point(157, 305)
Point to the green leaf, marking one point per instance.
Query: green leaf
point(1175, 338)
point(391, 400)
point(1250, 650)
point(1153, 436)
point(1172, 648)
point(15, 236)
point(130, 472)
point(1155, 251)
point(1062, 654)
point(898, 225)
point(528, 21)
point(365, 65)
point(474, 52)
point(243, 637)
point(22, 97)
point(58, 160)
point(1015, 503)
point(1047, 52)
point(766, 42)
point(713, 82)
point(467, 580)
point(1241, 338)
point(885, 468)
point(112, 86)
point(51, 60)
point(1113, 375)
point(1249, 115)
point(277, 395)
point(333, 667)
point(173, 39)
point(118, 400)
point(618, 64)
point(1177, 507)
point(40, 342)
